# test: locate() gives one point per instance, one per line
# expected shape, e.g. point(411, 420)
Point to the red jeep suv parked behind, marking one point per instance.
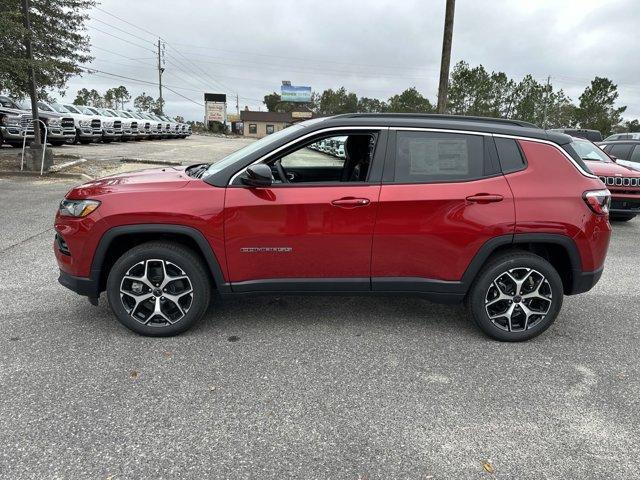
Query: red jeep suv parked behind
point(495, 212)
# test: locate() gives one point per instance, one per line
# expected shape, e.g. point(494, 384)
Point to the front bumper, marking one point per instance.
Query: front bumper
point(626, 204)
point(88, 132)
point(86, 287)
point(111, 132)
point(14, 133)
point(59, 133)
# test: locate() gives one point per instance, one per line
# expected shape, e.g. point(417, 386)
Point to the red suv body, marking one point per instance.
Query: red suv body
point(496, 212)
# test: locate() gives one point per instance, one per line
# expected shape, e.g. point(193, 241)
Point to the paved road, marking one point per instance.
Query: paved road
point(312, 387)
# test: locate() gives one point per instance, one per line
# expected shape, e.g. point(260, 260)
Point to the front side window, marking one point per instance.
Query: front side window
point(253, 128)
point(427, 157)
point(344, 158)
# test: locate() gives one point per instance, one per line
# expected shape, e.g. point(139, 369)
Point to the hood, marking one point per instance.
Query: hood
point(12, 111)
point(168, 178)
point(612, 169)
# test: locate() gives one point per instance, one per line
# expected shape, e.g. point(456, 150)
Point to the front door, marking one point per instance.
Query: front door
point(313, 228)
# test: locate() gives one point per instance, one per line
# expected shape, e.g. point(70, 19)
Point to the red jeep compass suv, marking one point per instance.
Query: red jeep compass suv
point(498, 213)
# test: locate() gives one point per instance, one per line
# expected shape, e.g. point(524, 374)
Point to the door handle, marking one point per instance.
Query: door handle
point(485, 198)
point(350, 202)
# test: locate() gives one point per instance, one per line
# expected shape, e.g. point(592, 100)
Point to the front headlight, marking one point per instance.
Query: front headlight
point(10, 120)
point(54, 122)
point(108, 124)
point(77, 208)
point(85, 123)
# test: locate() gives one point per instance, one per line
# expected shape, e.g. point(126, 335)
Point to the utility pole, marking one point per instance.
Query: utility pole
point(160, 70)
point(446, 56)
point(237, 105)
point(32, 78)
point(546, 103)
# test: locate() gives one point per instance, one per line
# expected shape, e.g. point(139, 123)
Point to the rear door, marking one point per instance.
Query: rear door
point(443, 196)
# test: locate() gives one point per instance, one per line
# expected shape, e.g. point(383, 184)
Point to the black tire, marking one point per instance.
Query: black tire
point(621, 217)
point(180, 259)
point(518, 264)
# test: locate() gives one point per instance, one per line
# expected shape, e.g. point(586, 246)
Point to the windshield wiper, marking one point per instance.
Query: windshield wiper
point(196, 171)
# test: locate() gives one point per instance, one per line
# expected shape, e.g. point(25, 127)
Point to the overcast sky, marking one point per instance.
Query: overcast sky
point(375, 48)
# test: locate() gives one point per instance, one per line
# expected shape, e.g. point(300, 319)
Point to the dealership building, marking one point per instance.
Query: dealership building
point(260, 124)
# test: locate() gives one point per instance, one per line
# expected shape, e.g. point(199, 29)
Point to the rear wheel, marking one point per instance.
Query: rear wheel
point(158, 289)
point(621, 217)
point(516, 296)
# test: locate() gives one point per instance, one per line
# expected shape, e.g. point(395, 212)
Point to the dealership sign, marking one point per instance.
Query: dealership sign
point(291, 93)
point(215, 107)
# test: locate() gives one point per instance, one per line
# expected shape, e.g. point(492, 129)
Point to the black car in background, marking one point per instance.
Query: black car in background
point(591, 135)
point(625, 152)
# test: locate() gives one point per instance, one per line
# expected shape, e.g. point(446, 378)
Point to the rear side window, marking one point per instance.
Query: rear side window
point(621, 151)
point(430, 157)
point(510, 155)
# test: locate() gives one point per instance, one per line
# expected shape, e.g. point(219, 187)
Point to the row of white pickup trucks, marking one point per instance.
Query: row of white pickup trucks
point(69, 123)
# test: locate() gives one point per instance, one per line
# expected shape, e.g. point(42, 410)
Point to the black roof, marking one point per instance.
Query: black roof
point(502, 126)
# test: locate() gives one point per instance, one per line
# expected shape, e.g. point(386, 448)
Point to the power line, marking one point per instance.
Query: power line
point(121, 30)
point(125, 21)
point(123, 39)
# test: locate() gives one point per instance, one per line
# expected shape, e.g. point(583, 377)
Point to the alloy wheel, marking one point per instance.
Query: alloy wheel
point(156, 292)
point(518, 299)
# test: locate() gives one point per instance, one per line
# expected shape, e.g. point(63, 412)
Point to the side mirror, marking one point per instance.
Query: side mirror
point(258, 175)
point(613, 157)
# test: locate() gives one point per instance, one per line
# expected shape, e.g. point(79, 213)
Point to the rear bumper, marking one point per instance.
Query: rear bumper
point(584, 281)
point(86, 287)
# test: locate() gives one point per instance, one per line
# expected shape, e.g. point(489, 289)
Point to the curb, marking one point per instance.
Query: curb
point(24, 173)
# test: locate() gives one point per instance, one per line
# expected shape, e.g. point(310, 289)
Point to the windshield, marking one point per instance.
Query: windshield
point(59, 108)
point(124, 114)
point(8, 103)
point(106, 112)
point(90, 111)
point(72, 109)
point(588, 151)
point(249, 149)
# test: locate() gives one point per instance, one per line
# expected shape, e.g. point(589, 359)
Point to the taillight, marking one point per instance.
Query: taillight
point(598, 201)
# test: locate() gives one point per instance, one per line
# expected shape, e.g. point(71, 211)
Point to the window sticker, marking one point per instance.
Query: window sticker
point(437, 156)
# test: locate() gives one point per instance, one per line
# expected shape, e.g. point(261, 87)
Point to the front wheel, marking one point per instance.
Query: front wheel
point(516, 296)
point(158, 289)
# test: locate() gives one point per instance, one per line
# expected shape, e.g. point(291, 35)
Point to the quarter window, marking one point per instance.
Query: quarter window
point(427, 157)
point(511, 158)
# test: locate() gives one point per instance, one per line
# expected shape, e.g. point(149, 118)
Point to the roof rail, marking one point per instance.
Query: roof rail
point(437, 116)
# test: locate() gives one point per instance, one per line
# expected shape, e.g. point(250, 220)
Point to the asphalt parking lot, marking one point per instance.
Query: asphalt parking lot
point(308, 387)
point(194, 149)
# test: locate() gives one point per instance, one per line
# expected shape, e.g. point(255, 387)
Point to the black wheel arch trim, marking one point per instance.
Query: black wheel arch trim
point(196, 235)
point(578, 283)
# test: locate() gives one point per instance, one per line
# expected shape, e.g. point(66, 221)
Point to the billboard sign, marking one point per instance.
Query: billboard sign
point(291, 93)
point(215, 107)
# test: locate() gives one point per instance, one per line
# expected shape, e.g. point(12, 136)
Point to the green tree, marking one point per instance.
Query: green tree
point(409, 101)
point(334, 102)
point(371, 105)
point(271, 101)
point(122, 95)
point(597, 106)
point(88, 97)
point(59, 44)
point(110, 99)
point(157, 107)
point(143, 102)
